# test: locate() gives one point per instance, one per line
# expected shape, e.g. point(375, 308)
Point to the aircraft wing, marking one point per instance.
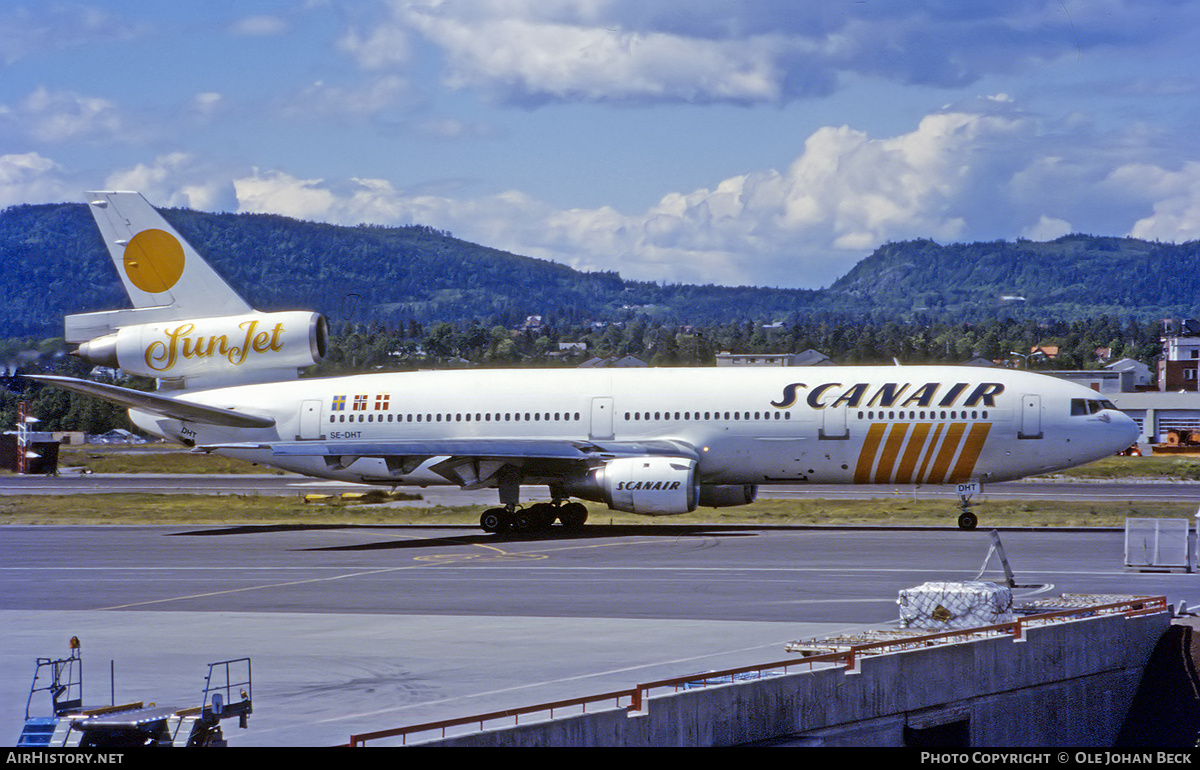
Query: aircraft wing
point(470, 462)
point(151, 402)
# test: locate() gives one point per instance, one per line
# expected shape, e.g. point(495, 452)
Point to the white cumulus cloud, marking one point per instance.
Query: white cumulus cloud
point(979, 171)
point(55, 117)
point(31, 178)
point(767, 51)
point(962, 174)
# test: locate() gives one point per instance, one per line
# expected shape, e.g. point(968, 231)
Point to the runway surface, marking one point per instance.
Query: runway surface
point(352, 629)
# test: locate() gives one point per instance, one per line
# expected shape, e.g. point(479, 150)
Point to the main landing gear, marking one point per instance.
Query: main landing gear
point(539, 516)
point(511, 517)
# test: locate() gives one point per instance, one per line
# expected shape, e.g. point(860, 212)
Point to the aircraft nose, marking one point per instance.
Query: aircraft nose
point(1123, 430)
point(1132, 431)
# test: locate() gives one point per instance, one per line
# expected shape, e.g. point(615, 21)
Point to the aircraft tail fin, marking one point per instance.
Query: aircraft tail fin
point(165, 278)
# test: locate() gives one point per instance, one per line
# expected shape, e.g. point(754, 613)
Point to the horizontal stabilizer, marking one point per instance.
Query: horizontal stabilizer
point(176, 409)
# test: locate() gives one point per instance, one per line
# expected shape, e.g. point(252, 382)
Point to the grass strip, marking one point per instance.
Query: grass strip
point(248, 510)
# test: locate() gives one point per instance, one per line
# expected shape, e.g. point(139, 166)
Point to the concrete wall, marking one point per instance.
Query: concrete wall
point(1067, 684)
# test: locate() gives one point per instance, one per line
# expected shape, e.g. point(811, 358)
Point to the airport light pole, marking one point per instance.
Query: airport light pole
point(24, 453)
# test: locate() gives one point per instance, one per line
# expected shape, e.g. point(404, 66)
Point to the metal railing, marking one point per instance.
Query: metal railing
point(849, 658)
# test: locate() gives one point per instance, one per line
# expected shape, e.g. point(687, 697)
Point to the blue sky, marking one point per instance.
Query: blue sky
point(765, 142)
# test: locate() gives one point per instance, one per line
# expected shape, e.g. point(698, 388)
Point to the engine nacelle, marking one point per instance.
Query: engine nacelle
point(230, 349)
point(652, 486)
point(727, 495)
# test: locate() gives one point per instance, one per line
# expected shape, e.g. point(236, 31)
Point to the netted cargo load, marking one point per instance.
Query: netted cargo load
point(938, 606)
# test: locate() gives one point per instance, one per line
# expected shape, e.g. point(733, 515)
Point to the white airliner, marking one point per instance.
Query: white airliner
point(650, 441)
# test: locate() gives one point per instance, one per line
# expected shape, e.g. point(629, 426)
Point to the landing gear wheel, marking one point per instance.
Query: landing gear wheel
point(573, 515)
point(521, 521)
point(541, 515)
point(492, 520)
point(967, 520)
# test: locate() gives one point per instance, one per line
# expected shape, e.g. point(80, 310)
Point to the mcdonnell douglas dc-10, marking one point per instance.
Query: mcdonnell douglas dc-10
point(651, 441)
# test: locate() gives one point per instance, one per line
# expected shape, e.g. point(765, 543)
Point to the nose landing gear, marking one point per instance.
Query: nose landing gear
point(967, 519)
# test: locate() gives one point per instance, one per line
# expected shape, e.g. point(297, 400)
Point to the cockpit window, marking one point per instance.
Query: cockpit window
point(1085, 406)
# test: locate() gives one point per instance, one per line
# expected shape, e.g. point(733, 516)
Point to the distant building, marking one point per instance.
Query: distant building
point(1143, 377)
point(567, 350)
point(1158, 414)
point(812, 357)
point(69, 437)
point(117, 436)
point(1179, 365)
point(625, 362)
point(1100, 380)
point(807, 358)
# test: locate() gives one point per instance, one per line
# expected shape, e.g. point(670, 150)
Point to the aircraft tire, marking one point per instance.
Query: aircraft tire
point(492, 520)
point(541, 515)
point(573, 515)
point(967, 520)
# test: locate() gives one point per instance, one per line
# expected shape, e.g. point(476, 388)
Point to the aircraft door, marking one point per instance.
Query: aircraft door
point(1031, 416)
point(310, 420)
point(834, 423)
point(602, 418)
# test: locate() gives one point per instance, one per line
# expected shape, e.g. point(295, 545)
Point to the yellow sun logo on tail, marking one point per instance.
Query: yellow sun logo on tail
point(153, 261)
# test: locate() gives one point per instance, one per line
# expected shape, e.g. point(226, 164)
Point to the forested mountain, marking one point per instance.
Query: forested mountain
point(55, 263)
point(1075, 276)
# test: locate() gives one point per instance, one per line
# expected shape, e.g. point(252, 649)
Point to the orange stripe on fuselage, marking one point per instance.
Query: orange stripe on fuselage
point(937, 474)
point(866, 457)
point(891, 450)
point(933, 442)
point(879, 455)
point(970, 453)
point(915, 444)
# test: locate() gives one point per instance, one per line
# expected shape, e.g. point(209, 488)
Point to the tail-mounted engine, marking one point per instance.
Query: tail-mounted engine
point(231, 349)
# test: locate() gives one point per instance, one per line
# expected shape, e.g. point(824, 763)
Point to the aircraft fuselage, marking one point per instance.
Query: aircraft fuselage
point(837, 425)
